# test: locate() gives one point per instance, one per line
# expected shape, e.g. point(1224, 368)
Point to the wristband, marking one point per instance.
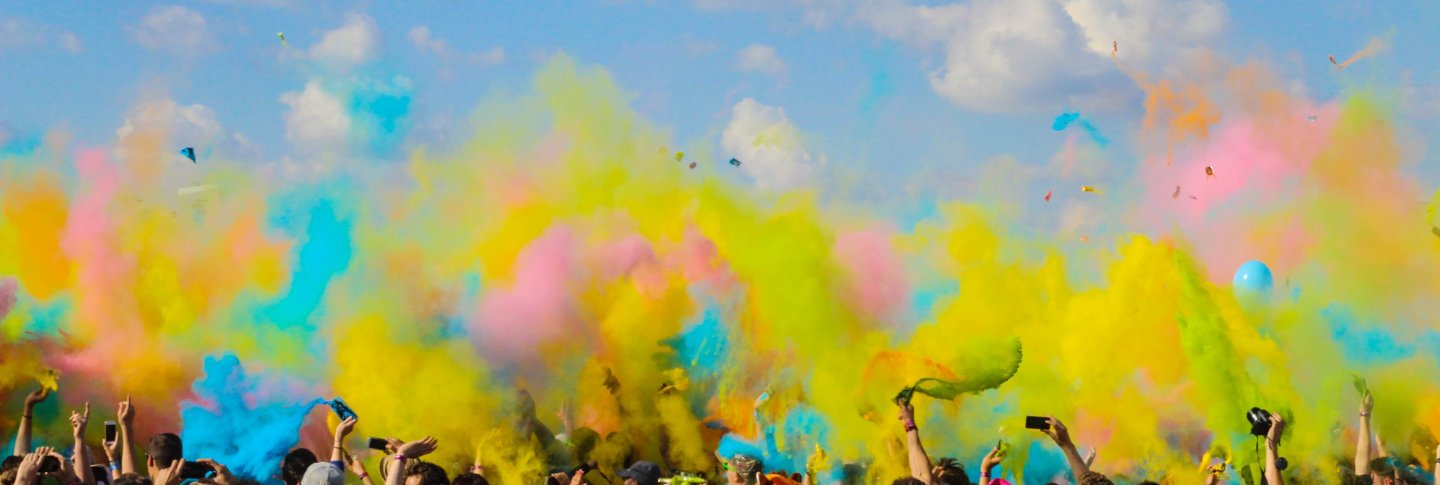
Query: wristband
point(399, 457)
point(364, 475)
point(910, 425)
point(24, 416)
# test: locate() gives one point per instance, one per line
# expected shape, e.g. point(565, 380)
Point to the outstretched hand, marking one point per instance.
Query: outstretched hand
point(992, 459)
point(78, 420)
point(907, 412)
point(1277, 428)
point(29, 471)
point(36, 397)
point(169, 475)
point(344, 428)
point(1058, 432)
point(418, 448)
point(126, 412)
point(354, 464)
point(1367, 403)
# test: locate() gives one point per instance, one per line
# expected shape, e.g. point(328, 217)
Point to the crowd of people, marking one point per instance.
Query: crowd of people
point(404, 461)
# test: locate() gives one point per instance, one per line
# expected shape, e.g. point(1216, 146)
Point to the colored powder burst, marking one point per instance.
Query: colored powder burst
point(545, 254)
point(232, 423)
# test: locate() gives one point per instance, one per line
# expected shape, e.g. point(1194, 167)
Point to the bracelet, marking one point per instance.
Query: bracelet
point(24, 416)
point(364, 475)
point(398, 457)
point(910, 426)
point(1364, 415)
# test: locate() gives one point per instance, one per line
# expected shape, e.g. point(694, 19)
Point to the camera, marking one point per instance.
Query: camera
point(1260, 426)
point(1259, 421)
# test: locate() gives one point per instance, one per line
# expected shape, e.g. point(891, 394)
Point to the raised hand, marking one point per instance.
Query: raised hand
point(1058, 432)
point(1277, 428)
point(992, 459)
point(222, 472)
point(1367, 402)
point(907, 412)
point(78, 420)
point(29, 471)
point(344, 428)
point(36, 397)
point(126, 412)
point(355, 465)
point(416, 449)
point(578, 479)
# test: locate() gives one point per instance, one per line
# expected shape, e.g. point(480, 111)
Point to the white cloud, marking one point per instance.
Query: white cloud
point(493, 57)
point(257, 3)
point(174, 29)
point(193, 124)
point(762, 58)
point(71, 43)
point(317, 120)
point(1042, 54)
point(17, 34)
point(421, 39)
point(349, 45)
point(768, 146)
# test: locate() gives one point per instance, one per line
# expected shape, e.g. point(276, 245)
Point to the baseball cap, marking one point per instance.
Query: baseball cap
point(323, 473)
point(643, 472)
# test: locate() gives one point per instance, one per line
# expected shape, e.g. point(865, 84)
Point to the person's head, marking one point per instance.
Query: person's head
point(323, 473)
point(1149, 482)
point(163, 450)
point(296, 462)
point(9, 468)
point(641, 473)
point(1092, 478)
point(424, 473)
point(950, 472)
point(585, 440)
point(469, 479)
point(743, 469)
point(133, 479)
point(907, 481)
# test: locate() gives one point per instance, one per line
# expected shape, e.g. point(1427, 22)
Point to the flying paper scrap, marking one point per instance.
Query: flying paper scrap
point(281, 35)
point(735, 162)
point(679, 155)
point(692, 165)
point(1087, 188)
point(1209, 171)
point(188, 152)
point(1176, 195)
point(1047, 196)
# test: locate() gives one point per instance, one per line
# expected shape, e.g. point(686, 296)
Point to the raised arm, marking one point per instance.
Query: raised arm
point(1061, 435)
point(22, 437)
point(358, 468)
point(992, 460)
point(337, 452)
point(1362, 443)
point(126, 415)
point(408, 451)
point(919, 461)
point(78, 420)
point(1272, 450)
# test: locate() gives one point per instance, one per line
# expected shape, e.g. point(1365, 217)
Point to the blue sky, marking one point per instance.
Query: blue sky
point(853, 76)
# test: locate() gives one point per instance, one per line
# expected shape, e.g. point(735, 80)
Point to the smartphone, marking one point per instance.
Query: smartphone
point(584, 467)
point(341, 410)
point(102, 474)
point(1037, 422)
point(378, 444)
point(49, 464)
point(109, 431)
point(195, 470)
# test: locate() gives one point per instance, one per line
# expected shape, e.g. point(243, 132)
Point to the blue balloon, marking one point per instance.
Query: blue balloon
point(1254, 278)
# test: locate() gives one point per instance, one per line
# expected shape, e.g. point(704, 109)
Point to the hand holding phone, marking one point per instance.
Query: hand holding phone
point(378, 444)
point(341, 409)
point(109, 432)
point(1037, 422)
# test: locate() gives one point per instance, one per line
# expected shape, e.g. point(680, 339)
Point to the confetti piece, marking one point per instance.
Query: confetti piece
point(692, 165)
point(1114, 47)
point(679, 155)
point(1176, 195)
point(281, 35)
point(1193, 198)
point(1084, 239)
point(1310, 118)
point(1087, 188)
point(189, 153)
point(1332, 60)
point(735, 162)
point(1209, 171)
point(1047, 196)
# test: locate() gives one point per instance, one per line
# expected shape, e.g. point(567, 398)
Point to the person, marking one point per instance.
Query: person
point(331, 472)
point(1272, 450)
point(469, 478)
point(8, 468)
point(28, 472)
point(987, 466)
point(641, 473)
point(396, 473)
point(358, 468)
point(78, 422)
point(1061, 435)
point(125, 412)
point(908, 481)
point(162, 453)
point(1363, 453)
point(296, 462)
point(22, 436)
point(919, 461)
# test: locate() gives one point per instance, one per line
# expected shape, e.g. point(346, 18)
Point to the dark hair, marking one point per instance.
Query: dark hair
point(1092, 478)
point(429, 473)
point(165, 448)
point(133, 479)
point(9, 468)
point(1149, 482)
point(469, 479)
point(908, 481)
point(951, 472)
point(292, 469)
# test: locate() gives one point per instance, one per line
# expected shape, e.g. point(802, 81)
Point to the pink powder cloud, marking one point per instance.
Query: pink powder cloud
point(513, 320)
point(877, 283)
